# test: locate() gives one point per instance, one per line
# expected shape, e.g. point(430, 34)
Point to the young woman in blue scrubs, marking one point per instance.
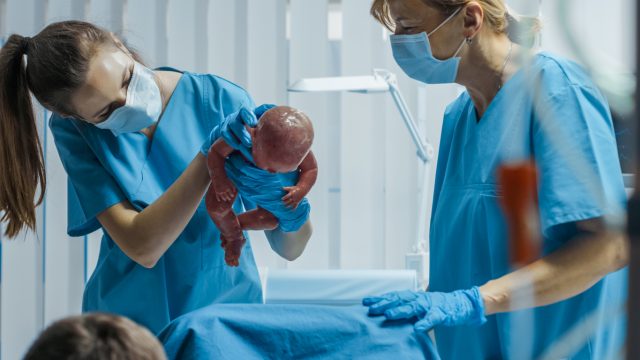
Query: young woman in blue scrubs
point(547, 109)
point(129, 139)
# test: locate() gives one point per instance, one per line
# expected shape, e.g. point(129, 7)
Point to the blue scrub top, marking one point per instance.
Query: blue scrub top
point(105, 170)
point(469, 244)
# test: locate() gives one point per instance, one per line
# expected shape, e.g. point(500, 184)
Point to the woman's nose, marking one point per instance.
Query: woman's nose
point(122, 98)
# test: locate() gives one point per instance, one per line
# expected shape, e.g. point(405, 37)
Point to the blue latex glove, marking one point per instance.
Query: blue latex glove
point(233, 130)
point(462, 307)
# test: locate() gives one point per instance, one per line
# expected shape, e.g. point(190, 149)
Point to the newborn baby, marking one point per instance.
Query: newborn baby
point(270, 163)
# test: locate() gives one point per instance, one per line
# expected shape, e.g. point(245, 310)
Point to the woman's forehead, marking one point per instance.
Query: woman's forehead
point(102, 82)
point(106, 64)
point(410, 10)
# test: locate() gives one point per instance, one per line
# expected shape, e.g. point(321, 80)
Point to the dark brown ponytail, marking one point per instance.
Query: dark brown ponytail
point(21, 159)
point(55, 65)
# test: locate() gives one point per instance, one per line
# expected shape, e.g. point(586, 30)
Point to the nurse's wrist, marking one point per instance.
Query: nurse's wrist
point(494, 301)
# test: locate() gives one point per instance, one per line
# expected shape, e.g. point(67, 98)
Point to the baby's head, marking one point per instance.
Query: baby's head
point(96, 336)
point(282, 139)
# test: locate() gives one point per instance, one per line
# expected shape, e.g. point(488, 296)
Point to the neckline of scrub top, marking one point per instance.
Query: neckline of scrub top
point(499, 95)
point(163, 123)
point(149, 142)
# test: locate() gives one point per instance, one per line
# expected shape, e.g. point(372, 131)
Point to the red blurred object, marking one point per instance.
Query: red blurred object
point(518, 184)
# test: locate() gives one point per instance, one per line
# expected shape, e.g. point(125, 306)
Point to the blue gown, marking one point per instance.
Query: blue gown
point(469, 244)
point(250, 332)
point(105, 170)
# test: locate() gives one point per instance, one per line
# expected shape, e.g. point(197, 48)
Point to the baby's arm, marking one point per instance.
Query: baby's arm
point(222, 186)
point(308, 175)
point(308, 172)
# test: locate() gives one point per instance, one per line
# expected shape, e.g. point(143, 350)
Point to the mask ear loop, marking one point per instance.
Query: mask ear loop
point(467, 41)
point(445, 21)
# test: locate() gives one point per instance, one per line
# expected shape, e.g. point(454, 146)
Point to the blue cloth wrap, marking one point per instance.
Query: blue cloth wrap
point(271, 331)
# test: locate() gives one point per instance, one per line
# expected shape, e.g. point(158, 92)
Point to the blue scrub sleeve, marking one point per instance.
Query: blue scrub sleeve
point(226, 98)
point(223, 99)
point(575, 149)
point(91, 188)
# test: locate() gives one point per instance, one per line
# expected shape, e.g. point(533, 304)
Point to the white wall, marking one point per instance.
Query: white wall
point(364, 206)
point(606, 30)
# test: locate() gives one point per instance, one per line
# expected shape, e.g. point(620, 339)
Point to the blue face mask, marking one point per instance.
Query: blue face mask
point(142, 108)
point(413, 55)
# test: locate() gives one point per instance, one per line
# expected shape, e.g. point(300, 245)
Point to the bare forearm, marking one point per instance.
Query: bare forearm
point(164, 220)
point(145, 236)
point(567, 272)
point(292, 244)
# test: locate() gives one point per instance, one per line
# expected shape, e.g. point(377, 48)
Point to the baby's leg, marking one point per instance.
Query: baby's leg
point(258, 219)
point(231, 236)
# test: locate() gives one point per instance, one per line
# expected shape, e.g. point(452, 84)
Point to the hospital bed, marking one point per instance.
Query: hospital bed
point(278, 331)
point(332, 287)
point(305, 315)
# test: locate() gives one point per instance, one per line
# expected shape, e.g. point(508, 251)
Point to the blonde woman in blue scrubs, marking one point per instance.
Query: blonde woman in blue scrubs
point(473, 291)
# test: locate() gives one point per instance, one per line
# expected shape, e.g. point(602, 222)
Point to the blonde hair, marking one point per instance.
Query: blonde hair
point(520, 29)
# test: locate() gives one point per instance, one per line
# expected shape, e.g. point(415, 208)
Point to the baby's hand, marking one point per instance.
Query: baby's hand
point(224, 188)
point(294, 196)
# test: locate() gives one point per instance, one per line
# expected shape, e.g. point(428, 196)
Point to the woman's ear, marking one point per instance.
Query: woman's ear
point(473, 17)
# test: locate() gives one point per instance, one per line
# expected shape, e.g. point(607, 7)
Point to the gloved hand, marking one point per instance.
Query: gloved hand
point(462, 307)
point(233, 128)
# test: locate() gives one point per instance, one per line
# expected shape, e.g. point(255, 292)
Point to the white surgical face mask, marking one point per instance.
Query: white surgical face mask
point(414, 56)
point(142, 108)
